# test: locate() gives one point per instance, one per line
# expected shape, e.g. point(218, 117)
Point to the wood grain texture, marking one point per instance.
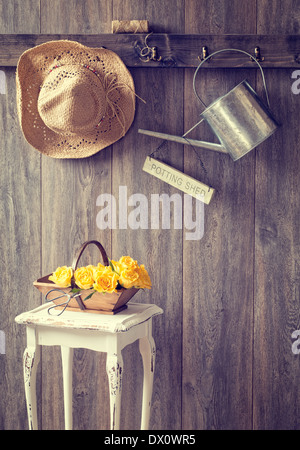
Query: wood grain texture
point(218, 17)
point(173, 50)
point(20, 221)
point(277, 313)
point(156, 248)
point(278, 17)
point(69, 192)
point(276, 394)
point(218, 293)
point(20, 224)
point(73, 16)
point(162, 17)
point(18, 16)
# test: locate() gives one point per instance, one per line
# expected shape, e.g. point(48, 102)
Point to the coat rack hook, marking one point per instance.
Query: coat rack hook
point(147, 53)
point(257, 55)
point(204, 53)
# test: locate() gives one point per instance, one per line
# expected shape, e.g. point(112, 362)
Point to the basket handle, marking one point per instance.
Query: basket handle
point(75, 264)
point(81, 250)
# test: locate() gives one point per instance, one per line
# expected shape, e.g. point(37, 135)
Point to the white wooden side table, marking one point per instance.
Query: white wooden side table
point(103, 333)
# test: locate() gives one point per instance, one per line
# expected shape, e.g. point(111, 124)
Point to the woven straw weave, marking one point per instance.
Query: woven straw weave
point(73, 100)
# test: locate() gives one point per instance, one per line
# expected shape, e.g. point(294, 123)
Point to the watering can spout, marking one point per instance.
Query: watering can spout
point(239, 119)
point(183, 140)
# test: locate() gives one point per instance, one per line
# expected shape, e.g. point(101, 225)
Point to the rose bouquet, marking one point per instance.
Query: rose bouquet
point(125, 273)
point(104, 288)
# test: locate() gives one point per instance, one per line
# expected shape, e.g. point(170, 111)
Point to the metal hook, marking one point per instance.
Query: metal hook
point(147, 53)
point(257, 55)
point(204, 54)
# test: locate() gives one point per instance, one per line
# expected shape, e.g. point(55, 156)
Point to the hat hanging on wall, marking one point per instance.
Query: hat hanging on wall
point(73, 100)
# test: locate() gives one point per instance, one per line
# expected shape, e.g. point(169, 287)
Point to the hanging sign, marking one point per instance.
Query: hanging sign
point(178, 180)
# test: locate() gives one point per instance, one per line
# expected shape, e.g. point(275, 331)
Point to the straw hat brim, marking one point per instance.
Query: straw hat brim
point(32, 70)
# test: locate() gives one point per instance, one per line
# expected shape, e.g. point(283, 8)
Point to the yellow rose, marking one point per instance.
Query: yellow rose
point(105, 280)
point(127, 262)
point(117, 266)
point(84, 277)
point(144, 281)
point(129, 277)
point(96, 268)
point(62, 276)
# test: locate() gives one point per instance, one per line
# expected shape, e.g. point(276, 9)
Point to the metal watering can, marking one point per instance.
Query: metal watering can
point(239, 119)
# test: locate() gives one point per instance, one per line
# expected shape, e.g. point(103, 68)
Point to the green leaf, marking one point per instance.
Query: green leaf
point(113, 267)
point(89, 296)
point(75, 290)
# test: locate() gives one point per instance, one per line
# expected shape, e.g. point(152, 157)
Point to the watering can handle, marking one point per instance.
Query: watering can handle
point(229, 50)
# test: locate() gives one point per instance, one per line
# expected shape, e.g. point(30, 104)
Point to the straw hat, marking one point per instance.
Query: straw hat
point(73, 100)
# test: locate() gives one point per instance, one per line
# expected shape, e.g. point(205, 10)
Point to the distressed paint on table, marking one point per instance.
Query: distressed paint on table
point(134, 314)
point(101, 333)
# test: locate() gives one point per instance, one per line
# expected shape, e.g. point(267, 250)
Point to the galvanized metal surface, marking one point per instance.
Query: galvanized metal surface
point(240, 120)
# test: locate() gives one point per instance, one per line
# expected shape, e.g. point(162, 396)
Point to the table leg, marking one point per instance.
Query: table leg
point(67, 361)
point(30, 362)
point(147, 350)
point(114, 369)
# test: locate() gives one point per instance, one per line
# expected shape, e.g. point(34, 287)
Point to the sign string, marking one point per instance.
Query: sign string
point(164, 145)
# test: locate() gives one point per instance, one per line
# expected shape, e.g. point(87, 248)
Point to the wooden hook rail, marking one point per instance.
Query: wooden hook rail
point(171, 50)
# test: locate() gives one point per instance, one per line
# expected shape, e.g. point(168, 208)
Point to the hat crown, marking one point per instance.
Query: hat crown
point(71, 101)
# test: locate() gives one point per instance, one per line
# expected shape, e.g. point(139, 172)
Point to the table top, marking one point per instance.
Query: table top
point(133, 315)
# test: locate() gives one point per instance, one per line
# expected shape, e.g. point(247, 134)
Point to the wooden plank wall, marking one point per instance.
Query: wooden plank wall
point(230, 300)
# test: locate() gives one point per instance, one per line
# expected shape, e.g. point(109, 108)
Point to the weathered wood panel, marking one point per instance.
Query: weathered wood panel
point(276, 390)
point(20, 222)
point(69, 192)
point(160, 250)
point(174, 50)
point(218, 269)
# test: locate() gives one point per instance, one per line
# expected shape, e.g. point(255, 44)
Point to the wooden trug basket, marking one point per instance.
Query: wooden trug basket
point(99, 303)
